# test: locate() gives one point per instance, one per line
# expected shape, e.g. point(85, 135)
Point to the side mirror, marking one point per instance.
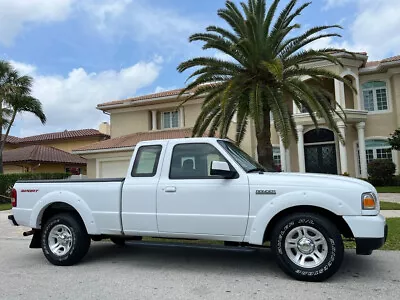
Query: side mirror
point(221, 168)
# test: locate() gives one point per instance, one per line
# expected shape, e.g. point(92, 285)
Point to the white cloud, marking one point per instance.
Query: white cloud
point(23, 69)
point(374, 29)
point(15, 14)
point(141, 21)
point(335, 3)
point(70, 102)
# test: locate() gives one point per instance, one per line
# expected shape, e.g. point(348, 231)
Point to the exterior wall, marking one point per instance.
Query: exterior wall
point(11, 169)
point(128, 122)
point(43, 168)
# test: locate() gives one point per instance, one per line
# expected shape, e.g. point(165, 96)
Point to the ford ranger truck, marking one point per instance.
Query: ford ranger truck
point(205, 189)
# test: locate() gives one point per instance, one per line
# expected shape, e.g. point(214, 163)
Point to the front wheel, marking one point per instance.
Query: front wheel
point(64, 240)
point(308, 246)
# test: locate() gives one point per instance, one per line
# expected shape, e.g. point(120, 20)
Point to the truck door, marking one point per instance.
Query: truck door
point(191, 202)
point(139, 191)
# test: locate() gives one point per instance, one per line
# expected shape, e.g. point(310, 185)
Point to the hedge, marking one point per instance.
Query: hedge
point(7, 181)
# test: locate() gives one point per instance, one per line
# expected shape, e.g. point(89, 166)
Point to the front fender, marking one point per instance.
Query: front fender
point(64, 197)
point(293, 199)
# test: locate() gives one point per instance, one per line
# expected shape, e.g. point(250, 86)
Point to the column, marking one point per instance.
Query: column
point(342, 148)
point(153, 120)
point(181, 117)
point(361, 147)
point(283, 155)
point(339, 93)
point(288, 161)
point(300, 148)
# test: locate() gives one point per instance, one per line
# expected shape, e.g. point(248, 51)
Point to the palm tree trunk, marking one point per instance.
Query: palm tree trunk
point(264, 146)
point(3, 143)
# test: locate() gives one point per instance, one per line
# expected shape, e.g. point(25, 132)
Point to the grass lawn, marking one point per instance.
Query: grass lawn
point(388, 189)
point(5, 206)
point(389, 206)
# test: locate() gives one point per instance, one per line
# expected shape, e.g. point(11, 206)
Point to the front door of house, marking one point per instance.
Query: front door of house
point(321, 159)
point(320, 151)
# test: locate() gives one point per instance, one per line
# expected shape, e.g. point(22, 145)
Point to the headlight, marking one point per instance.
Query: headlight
point(368, 201)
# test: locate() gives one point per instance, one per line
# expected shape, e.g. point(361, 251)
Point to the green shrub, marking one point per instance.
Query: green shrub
point(7, 181)
point(381, 172)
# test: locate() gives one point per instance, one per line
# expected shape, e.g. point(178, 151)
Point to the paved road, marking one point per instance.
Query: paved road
point(178, 272)
point(182, 272)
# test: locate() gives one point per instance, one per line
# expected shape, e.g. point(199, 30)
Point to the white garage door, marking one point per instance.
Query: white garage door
point(113, 169)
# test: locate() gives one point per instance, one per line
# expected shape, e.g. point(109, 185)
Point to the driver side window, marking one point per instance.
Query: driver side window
point(193, 161)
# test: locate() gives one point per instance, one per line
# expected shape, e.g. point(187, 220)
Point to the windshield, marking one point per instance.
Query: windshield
point(241, 157)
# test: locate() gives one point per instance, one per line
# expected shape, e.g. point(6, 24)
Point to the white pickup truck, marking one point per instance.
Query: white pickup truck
point(205, 188)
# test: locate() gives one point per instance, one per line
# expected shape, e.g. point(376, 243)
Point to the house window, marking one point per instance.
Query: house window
point(170, 119)
point(276, 152)
point(375, 96)
point(376, 149)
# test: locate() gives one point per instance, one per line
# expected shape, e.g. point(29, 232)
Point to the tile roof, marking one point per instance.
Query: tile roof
point(143, 97)
point(63, 135)
point(11, 139)
point(132, 139)
point(41, 154)
point(386, 60)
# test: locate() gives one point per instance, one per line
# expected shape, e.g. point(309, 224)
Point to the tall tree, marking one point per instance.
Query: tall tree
point(266, 62)
point(15, 98)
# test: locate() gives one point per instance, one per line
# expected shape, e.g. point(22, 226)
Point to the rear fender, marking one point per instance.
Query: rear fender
point(64, 197)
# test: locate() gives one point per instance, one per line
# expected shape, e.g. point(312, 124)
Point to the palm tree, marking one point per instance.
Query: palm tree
point(266, 65)
point(14, 99)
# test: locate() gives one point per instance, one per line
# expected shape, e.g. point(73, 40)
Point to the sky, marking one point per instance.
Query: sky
point(85, 52)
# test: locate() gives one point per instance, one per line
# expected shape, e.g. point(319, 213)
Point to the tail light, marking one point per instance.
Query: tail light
point(14, 198)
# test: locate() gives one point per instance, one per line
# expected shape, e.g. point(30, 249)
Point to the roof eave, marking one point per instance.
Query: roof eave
point(94, 151)
point(137, 102)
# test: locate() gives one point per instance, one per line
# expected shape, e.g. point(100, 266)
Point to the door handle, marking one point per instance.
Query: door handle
point(170, 189)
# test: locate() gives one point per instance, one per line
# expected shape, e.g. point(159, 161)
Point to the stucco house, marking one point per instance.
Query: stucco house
point(371, 115)
point(50, 152)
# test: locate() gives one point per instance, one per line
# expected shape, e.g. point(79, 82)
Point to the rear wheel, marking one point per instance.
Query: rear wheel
point(308, 246)
point(64, 240)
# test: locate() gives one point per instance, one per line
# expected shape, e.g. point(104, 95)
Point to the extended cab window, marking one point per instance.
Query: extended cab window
point(146, 161)
point(193, 161)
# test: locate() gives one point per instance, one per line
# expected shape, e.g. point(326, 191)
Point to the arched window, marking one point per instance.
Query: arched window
point(375, 96)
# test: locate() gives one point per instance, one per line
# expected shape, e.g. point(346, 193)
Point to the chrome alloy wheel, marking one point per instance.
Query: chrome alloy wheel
point(60, 240)
point(306, 247)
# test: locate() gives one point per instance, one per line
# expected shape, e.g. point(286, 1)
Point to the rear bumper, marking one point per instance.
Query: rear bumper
point(11, 219)
point(365, 246)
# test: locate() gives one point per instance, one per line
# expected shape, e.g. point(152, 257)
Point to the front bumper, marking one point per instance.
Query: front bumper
point(365, 246)
point(12, 221)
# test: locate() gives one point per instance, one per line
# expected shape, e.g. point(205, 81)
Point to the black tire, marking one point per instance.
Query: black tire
point(80, 240)
point(118, 241)
point(334, 244)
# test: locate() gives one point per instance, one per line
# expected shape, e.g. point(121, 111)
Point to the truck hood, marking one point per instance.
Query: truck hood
point(310, 180)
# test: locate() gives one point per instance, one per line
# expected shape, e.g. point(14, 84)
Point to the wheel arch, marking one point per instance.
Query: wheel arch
point(334, 218)
point(58, 202)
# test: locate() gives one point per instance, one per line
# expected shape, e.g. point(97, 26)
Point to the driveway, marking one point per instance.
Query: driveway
point(153, 271)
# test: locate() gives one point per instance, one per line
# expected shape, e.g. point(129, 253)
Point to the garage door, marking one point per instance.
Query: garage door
point(113, 169)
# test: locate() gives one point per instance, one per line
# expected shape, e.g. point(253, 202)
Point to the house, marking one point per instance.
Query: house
point(372, 113)
point(50, 152)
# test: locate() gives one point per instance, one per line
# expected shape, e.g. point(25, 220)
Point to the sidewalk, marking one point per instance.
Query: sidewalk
point(389, 197)
point(390, 213)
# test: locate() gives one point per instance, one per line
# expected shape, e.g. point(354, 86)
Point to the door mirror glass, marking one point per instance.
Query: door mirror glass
point(221, 168)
